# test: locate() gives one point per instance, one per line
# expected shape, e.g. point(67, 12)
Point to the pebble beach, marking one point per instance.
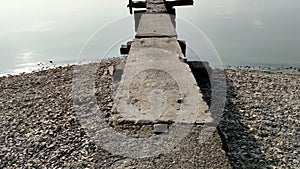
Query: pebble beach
point(261, 123)
point(39, 127)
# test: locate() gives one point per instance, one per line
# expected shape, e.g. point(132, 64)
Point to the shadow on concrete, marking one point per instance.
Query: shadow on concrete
point(201, 72)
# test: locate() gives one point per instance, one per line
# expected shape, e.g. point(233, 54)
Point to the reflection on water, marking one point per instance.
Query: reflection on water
point(247, 32)
point(28, 67)
point(26, 56)
point(250, 32)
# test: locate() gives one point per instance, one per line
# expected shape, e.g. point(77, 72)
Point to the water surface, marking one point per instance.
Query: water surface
point(247, 32)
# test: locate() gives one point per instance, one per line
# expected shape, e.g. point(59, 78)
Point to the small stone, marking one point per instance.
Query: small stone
point(160, 128)
point(180, 100)
point(110, 105)
point(111, 70)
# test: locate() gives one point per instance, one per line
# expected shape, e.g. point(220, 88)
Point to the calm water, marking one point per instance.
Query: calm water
point(244, 32)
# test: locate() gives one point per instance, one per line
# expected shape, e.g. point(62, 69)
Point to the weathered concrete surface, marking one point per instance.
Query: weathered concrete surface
point(156, 8)
point(158, 89)
point(156, 25)
point(157, 86)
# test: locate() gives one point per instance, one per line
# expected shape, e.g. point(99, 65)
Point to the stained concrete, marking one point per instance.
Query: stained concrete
point(154, 81)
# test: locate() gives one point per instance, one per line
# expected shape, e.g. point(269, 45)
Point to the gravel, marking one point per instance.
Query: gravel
point(39, 127)
point(260, 127)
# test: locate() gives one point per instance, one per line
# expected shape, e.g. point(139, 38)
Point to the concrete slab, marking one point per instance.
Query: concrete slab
point(154, 80)
point(156, 25)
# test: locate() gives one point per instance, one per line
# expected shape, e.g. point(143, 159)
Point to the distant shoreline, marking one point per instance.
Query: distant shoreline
point(47, 67)
point(277, 69)
point(292, 70)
